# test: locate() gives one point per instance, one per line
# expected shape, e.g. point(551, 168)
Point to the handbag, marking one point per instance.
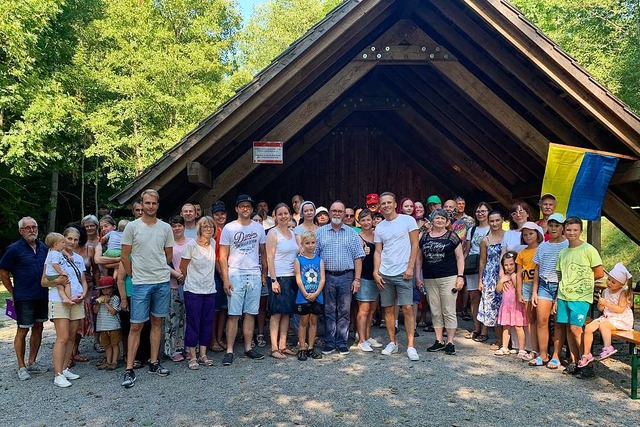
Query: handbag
point(471, 262)
point(10, 309)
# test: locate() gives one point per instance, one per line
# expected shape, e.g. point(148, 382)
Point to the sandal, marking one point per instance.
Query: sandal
point(472, 335)
point(553, 364)
point(217, 348)
point(98, 348)
point(287, 351)
point(137, 364)
point(495, 346)
point(80, 358)
point(481, 338)
point(204, 360)
point(277, 355)
point(537, 362)
point(261, 342)
point(193, 364)
point(585, 360)
point(527, 356)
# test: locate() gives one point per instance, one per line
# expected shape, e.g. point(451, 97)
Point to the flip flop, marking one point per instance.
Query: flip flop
point(553, 364)
point(471, 335)
point(538, 362)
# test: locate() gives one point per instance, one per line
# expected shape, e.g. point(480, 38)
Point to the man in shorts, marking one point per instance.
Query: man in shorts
point(149, 241)
point(243, 267)
point(340, 247)
point(396, 240)
point(24, 260)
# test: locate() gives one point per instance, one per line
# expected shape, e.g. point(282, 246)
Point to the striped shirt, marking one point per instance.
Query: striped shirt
point(547, 258)
point(106, 321)
point(338, 248)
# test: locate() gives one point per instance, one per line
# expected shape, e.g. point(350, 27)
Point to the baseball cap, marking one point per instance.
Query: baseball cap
point(106, 282)
point(557, 217)
point(373, 199)
point(321, 209)
point(547, 196)
point(434, 199)
point(244, 198)
point(218, 207)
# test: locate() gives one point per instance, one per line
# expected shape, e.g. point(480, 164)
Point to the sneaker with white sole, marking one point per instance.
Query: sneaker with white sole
point(23, 374)
point(374, 344)
point(390, 349)
point(412, 354)
point(70, 375)
point(36, 368)
point(61, 381)
point(365, 346)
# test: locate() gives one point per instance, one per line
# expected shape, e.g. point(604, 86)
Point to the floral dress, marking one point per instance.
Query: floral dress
point(490, 300)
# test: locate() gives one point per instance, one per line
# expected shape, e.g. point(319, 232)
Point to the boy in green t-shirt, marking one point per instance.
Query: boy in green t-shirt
point(578, 267)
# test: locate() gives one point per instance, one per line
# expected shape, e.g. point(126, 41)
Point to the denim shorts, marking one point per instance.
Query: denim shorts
point(395, 287)
point(572, 312)
point(151, 300)
point(245, 295)
point(285, 301)
point(527, 291)
point(30, 312)
point(547, 290)
point(368, 291)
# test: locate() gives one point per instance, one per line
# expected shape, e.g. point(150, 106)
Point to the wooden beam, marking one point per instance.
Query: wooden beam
point(626, 173)
point(561, 68)
point(294, 122)
point(594, 234)
point(476, 51)
point(622, 215)
point(198, 174)
point(456, 158)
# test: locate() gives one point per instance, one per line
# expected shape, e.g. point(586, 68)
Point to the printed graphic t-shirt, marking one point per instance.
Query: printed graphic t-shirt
point(244, 247)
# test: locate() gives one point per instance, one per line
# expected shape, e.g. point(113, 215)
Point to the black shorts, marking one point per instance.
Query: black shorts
point(310, 308)
point(285, 301)
point(30, 312)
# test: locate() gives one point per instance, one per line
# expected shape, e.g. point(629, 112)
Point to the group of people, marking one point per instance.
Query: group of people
point(191, 282)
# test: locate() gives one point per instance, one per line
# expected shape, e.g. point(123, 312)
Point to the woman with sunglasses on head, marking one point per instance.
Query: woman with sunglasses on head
point(441, 262)
point(491, 249)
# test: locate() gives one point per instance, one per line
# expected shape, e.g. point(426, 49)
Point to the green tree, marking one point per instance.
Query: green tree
point(602, 35)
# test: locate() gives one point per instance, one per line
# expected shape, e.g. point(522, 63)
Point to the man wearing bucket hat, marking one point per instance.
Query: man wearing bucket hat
point(243, 267)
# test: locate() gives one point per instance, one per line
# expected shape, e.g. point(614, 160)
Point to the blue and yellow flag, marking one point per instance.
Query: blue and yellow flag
point(578, 178)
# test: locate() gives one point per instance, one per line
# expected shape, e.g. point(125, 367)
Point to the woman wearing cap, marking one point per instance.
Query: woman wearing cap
point(547, 208)
point(282, 249)
point(519, 213)
point(322, 216)
point(198, 266)
point(66, 318)
point(441, 262)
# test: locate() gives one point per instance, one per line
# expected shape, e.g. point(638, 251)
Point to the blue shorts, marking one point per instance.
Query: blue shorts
point(151, 300)
point(245, 295)
point(572, 312)
point(527, 291)
point(547, 290)
point(368, 291)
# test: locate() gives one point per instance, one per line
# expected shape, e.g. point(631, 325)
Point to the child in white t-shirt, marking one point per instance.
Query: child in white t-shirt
point(55, 242)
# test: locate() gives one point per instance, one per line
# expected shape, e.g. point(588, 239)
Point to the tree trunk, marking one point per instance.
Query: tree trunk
point(82, 187)
point(95, 195)
point(53, 201)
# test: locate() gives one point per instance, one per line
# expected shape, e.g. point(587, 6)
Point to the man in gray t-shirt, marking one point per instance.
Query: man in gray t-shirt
point(147, 249)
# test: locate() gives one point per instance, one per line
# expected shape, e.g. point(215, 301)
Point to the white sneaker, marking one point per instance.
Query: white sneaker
point(390, 349)
point(70, 375)
point(23, 374)
point(61, 381)
point(364, 346)
point(412, 353)
point(373, 343)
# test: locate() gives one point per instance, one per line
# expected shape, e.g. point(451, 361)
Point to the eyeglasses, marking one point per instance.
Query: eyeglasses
point(480, 211)
point(30, 228)
point(207, 227)
point(336, 211)
point(518, 212)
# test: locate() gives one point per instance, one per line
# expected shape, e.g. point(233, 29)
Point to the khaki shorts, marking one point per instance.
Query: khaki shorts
point(58, 310)
point(109, 338)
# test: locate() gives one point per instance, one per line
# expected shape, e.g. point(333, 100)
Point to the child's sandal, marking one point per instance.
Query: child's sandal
point(585, 360)
point(553, 364)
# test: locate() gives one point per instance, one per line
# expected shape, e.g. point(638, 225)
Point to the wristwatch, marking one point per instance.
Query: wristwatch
point(273, 280)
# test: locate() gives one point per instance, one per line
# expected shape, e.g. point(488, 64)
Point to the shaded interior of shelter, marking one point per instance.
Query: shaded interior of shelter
point(406, 127)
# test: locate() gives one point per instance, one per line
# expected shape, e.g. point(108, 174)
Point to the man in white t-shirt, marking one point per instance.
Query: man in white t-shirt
point(149, 241)
point(243, 267)
point(396, 240)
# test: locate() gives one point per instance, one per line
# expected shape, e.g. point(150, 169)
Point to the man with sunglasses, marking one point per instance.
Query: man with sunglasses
point(24, 260)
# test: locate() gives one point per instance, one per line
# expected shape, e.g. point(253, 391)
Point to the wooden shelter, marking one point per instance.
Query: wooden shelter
point(414, 96)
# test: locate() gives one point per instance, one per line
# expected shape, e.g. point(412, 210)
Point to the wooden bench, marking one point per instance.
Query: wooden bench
point(633, 338)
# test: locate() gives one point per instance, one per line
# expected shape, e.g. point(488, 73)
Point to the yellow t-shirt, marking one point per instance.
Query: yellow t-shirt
point(525, 259)
point(576, 267)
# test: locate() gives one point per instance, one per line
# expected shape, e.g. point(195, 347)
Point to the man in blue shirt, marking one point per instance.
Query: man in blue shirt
point(24, 260)
point(339, 246)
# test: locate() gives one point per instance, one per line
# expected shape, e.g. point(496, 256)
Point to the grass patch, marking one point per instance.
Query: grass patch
point(617, 247)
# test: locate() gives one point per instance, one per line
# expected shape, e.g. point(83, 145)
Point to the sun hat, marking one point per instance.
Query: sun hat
point(321, 209)
point(620, 273)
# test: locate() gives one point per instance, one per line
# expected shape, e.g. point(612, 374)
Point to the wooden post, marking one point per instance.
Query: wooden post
point(594, 234)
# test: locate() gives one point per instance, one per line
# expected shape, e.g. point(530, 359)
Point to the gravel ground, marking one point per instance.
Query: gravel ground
point(472, 388)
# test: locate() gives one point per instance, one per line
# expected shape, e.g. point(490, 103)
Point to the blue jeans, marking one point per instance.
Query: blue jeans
point(337, 305)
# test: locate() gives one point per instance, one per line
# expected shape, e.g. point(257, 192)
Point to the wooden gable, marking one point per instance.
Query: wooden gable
point(419, 97)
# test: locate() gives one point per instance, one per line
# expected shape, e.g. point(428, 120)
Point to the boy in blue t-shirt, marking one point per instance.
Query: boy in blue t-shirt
point(309, 269)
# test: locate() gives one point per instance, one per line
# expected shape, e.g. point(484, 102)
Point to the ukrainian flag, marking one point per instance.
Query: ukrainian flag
point(578, 178)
